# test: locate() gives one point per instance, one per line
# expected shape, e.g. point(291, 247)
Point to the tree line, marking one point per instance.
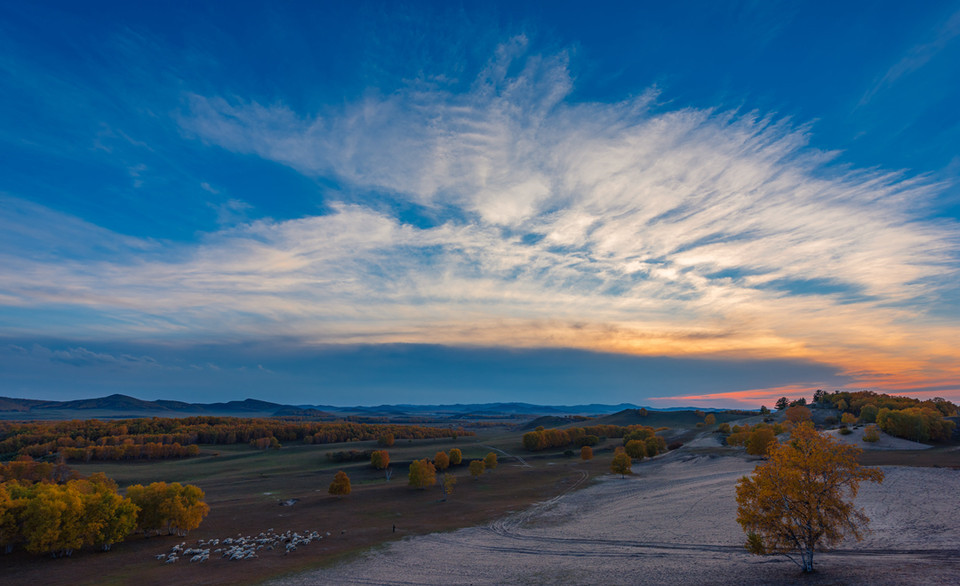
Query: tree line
point(904, 417)
point(543, 439)
point(155, 438)
point(47, 510)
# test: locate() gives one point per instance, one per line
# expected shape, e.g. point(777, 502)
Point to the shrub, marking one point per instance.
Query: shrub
point(845, 431)
point(738, 438)
point(871, 433)
point(760, 441)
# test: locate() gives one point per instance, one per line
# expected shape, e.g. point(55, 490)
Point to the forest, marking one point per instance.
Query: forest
point(543, 439)
point(159, 438)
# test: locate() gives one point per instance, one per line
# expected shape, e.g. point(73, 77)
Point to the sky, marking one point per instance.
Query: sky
point(661, 203)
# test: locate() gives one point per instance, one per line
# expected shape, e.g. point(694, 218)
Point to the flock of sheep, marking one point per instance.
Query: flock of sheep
point(240, 547)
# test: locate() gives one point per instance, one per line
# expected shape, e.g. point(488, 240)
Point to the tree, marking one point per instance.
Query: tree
point(782, 403)
point(476, 468)
point(441, 461)
point(149, 499)
point(819, 396)
point(760, 441)
point(422, 474)
point(848, 419)
point(52, 519)
point(176, 507)
point(802, 497)
point(868, 413)
point(586, 453)
point(185, 507)
point(10, 507)
point(456, 457)
point(636, 449)
point(386, 440)
point(798, 413)
point(490, 461)
point(621, 464)
point(710, 419)
point(380, 459)
point(764, 410)
point(340, 485)
point(108, 517)
point(447, 484)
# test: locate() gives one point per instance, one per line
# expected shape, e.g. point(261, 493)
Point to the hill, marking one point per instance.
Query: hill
point(663, 418)
point(123, 406)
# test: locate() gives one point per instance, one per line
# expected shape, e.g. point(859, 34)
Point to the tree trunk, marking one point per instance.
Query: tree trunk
point(807, 558)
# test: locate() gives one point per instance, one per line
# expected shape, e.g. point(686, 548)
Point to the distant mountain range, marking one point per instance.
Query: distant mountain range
point(114, 406)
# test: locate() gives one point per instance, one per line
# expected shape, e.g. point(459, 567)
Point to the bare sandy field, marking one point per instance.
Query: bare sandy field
point(674, 523)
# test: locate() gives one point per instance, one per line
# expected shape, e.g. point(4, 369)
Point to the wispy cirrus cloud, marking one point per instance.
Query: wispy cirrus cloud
point(917, 56)
point(625, 227)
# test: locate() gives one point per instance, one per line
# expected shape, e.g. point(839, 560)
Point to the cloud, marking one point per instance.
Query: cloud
point(918, 56)
point(74, 356)
point(625, 227)
point(230, 212)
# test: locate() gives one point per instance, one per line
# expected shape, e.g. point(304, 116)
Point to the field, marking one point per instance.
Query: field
point(537, 518)
point(244, 486)
point(673, 522)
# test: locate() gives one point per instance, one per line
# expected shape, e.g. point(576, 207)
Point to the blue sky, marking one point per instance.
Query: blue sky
point(699, 203)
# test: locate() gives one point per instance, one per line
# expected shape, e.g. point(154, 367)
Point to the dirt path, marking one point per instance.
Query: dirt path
point(674, 523)
point(505, 453)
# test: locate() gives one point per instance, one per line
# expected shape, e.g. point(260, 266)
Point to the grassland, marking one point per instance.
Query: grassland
point(244, 487)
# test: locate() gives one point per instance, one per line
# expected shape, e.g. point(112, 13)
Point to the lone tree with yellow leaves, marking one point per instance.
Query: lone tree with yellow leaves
point(422, 474)
point(621, 464)
point(801, 498)
point(476, 468)
point(340, 485)
point(456, 456)
point(447, 485)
